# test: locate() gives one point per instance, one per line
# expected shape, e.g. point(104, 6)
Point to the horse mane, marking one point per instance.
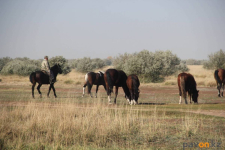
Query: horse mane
point(109, 81)
point(54, 67)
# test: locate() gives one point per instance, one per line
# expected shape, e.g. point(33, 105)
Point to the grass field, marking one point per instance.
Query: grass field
point(73, 122)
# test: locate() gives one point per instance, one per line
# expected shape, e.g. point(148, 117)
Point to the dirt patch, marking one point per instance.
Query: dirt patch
point(218, 113)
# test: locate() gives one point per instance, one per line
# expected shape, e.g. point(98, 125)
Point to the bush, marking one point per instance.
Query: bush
point(4, 61)
point(19, 67)
point(216, 60)
point(151, 67)
point(62, 62)
point(87, 64)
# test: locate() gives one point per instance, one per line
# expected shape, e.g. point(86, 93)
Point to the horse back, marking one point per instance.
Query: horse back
point(186, 81)
point(132, 82)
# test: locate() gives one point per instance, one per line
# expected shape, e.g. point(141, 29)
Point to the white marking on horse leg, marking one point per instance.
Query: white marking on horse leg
point(180, 100)
point(95, 95)
point(83, 91)
point(109, 99)
point(134, 102)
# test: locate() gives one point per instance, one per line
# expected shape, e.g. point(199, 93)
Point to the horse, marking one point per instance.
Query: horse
point(219, 76)
point(133, 86)
point(42, 78)
point(186, 83)
point(118, 79)
point(91, 79)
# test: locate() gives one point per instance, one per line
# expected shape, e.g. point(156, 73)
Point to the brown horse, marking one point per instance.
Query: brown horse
point(118, 79)
point(91, 79)
point(42, 78)
point(186, 83)
point(219, 76)
point(133, 86)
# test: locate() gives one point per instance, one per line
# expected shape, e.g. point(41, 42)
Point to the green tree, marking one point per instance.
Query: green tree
point(62, 62)
point(216, 60)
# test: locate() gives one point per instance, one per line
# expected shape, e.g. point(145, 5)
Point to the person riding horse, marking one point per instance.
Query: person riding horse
point(45, 67)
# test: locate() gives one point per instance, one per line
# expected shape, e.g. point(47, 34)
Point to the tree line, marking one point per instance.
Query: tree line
point(149, 66)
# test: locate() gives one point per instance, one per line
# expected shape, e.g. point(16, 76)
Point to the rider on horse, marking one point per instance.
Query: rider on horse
point(45, 67)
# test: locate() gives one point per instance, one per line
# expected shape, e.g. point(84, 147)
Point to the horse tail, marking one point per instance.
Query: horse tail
point(182, 86)
point(32, 77)
point(86, 77)
point(135, 85)
point(217, 77)
point(109, 81)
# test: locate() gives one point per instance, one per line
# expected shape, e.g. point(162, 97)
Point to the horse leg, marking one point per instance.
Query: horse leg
point(180, 95)
point(33, 89)
point(129, 99)
point(223, 89)
point(50, 87)
point(219, 87)
point(116, 93)
point(190, 98)
point(54, 90)
point(89, 88)
point(38, 88)
point(96, 91)
point(109, 95)
point(185, 97)
point(85, 84)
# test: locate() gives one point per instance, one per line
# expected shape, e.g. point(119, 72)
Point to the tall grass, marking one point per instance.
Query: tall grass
point(96, 125)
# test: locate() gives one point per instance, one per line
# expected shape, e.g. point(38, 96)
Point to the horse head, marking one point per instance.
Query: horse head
point(56, 68)
point(195, 96)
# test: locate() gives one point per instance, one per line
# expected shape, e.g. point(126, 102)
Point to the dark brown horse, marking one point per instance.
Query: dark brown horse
point(42, 78)
point(219, 76)
point(91, 79)
point(118, 79)
point(133, 86)
point(186, 83)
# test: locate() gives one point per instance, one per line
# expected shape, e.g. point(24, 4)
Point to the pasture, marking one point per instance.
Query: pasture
point(73, 122)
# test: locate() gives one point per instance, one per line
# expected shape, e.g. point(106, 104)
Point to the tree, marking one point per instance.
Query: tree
point(62, 62)
point(150, 67)
point(216, 60)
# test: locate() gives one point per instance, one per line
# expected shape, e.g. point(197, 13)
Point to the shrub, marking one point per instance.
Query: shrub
point(62, 62)
point(216, 60)
point(87, 64)
point(19, 67)
point(4, 61)
point(151, 67)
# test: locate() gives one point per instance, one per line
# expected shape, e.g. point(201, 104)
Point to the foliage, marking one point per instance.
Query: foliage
point(87, 64)
point(216, 60)
point(4, 61)
point(151, 67)
point(20, 66)
point(62, 62)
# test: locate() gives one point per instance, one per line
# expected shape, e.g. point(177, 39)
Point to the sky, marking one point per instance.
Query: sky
point(191, 29)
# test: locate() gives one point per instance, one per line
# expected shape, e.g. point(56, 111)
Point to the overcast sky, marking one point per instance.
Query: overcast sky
point(102, 28)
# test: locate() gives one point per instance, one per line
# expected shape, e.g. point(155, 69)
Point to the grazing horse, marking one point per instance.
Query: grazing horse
point(118, 79)
point(219, 76)
point(91, 79)
point(186, 83)
point(133, 86)
point(42, 78)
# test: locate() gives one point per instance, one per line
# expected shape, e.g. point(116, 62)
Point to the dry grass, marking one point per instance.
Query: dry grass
point(66, 126)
